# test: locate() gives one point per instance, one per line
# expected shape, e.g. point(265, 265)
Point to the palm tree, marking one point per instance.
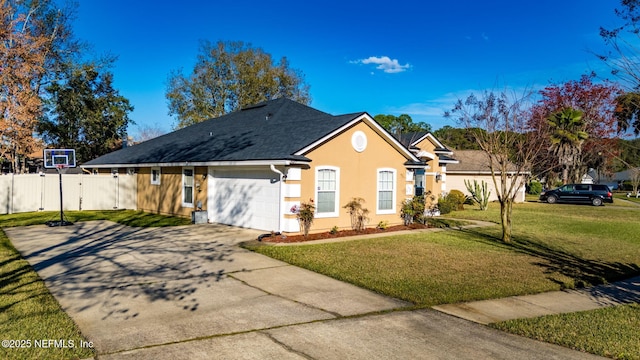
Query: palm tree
point(567, 136)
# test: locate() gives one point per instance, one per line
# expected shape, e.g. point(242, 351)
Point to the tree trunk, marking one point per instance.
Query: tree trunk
point(505, 219)
point(565, 174)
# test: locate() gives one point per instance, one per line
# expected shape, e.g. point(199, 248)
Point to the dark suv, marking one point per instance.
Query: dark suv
point(595, 194)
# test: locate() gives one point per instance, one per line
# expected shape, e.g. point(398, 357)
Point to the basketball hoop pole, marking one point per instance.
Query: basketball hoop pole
point(62, 222)
point(61, 211)
point(61, 160)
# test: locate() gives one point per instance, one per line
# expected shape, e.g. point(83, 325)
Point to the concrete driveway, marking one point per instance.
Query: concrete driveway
point(191, 292)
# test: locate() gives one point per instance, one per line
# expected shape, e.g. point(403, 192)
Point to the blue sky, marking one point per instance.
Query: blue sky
point(414, 57)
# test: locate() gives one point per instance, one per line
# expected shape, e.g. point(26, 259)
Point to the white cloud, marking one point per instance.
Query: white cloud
point(385, 63)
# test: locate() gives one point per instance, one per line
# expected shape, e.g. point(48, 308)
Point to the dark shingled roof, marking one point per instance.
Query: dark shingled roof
point(407, 139)
point(272, 130)
point(473, 161)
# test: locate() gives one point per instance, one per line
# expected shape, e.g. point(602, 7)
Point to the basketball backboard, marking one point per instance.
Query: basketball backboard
point(59, 157)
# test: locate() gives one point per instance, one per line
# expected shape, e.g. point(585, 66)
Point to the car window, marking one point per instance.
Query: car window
point(582, 187)
point(566, 188)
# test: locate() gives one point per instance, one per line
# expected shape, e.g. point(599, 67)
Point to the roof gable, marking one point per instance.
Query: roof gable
point(377, 128)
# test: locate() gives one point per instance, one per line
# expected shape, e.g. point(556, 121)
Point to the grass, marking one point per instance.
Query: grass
point(28, 311)
point(555, 247)
point(126, 217)
point(590, 244)
point(611, 332)
point(445, 223)
point(427, 270)
point(623, 196)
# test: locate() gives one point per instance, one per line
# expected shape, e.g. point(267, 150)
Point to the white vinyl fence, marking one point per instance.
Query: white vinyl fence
point(34, 192)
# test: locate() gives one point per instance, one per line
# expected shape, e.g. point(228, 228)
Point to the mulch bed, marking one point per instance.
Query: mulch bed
point(343, 233)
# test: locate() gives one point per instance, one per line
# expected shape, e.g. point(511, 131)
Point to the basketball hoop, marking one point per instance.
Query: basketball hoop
point(62, 168)
point(61, 160)
point(55, 157)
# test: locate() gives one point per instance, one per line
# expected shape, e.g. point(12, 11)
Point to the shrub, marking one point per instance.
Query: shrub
point(334, 230)
point(382, 225)
point(458, 198)
point(358, 213)
point(534, 187)
point(447, 204)
point(413, 210)
point(305, 214)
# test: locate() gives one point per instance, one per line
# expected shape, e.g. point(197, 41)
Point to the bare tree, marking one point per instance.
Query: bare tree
point(622, 40)
point(622, 59)
point(634, 176)
point(148, 132)
point(499, 125)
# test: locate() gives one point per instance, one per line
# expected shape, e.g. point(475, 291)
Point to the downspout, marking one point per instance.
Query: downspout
point(280, 197)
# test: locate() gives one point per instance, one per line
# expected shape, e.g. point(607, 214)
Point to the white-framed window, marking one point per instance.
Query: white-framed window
point(386, 194)
point(327, 191)
point(187, 187)
point(155, 176)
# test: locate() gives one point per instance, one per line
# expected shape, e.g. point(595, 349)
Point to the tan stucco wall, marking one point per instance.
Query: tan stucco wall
point(358, 176)
point(434, 167)
point(166, 198)
point(456, 181)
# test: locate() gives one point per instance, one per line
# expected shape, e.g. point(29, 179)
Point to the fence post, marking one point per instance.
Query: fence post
point(80, 193)
point(42, 186)
point(116, 182)
point(12, 193)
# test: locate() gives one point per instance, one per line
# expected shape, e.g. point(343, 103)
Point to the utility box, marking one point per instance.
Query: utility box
point(199, 217)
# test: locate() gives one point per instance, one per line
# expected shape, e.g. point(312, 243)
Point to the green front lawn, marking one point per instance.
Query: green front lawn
point(126, 217)
point(27, 310)
point(425, 269)
point(555, 247)
point(613, 332)
point(30, 312)
point(623, 196)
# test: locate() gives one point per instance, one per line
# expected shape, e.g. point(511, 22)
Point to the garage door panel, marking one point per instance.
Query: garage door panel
point(245, 198)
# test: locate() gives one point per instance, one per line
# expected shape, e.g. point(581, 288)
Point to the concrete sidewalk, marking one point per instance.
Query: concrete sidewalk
point(554, 302)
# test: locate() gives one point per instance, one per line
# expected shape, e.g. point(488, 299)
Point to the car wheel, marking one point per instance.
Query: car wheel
point(552, 199)
point(596, 201)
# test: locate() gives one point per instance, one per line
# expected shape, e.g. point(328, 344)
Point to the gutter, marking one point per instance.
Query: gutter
point(200, 163)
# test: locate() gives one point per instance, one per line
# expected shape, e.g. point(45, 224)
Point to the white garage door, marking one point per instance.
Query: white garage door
point(246, 198)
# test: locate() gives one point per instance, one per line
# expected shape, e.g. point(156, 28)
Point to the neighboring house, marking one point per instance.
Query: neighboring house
point(474, 165)
point(627, 175)
point(428, 149)
point(612, 180)
point(250, 167)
